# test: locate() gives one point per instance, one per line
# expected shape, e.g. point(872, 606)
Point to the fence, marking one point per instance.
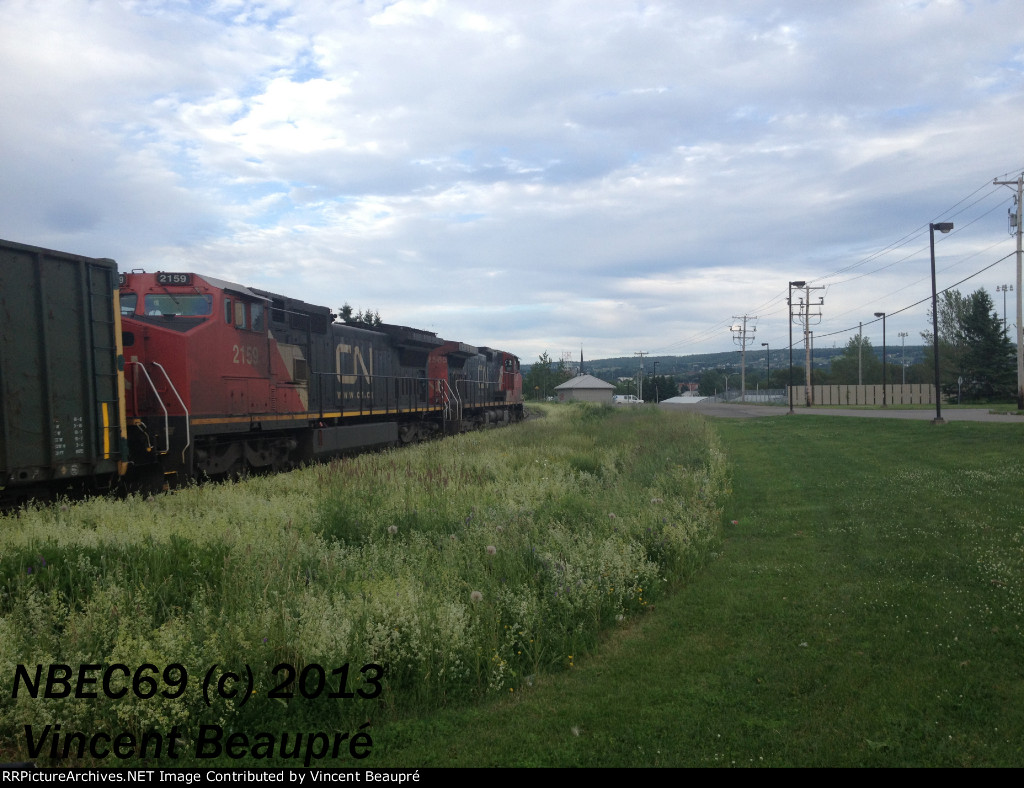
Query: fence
point(752, 396)
point(895, 394)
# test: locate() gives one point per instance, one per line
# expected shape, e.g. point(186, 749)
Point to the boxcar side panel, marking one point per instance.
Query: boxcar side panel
point(59, 410)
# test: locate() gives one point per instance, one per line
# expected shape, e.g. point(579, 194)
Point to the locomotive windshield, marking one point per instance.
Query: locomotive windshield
point(174, 304)
point(128, 302)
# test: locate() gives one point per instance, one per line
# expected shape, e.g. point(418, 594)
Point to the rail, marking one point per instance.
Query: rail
point(163, 407)
point(188, 428)
point(478, 392)
point(376, 395)
point(365, 395)
point(452, 396)
point(159, 399)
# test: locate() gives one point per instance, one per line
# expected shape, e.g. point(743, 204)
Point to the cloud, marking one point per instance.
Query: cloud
point(530, 176)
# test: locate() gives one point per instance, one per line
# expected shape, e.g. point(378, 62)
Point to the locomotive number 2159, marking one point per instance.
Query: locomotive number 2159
point(246, 354)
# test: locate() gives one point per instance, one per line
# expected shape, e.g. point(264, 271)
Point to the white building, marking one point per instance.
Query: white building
point(585, 388)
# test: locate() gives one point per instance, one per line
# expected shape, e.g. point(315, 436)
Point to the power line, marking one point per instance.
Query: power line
point(916, 233)
point(777, 303)
point(923, 300)
point(743, 336)
point(924, 278)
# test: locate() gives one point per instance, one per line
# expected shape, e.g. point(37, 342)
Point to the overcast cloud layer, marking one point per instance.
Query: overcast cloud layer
point(537, 176)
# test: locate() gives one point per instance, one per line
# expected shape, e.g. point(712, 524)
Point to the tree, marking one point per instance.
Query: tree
point(659, 387)
point(541, 380)
point(973, 347)
point(370, 317)
point(626, 386)
point(858, 364)
point(714, 381)
point(952, 307)
point(780, 377)
point(862, 363)
point(988, 364)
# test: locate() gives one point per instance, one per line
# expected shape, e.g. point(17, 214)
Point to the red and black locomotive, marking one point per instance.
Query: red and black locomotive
point(222, 378)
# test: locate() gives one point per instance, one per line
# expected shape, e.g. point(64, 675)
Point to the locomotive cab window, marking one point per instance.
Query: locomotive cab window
point(183, 304)
point(256, 313)
point(128, 302)
point(245, 315)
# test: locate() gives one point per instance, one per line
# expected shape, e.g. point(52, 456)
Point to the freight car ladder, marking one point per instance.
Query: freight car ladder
point(452, 404)
point(100, 283)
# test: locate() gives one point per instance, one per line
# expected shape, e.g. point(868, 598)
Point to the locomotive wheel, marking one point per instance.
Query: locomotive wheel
point(409, 433)
point(239, 471)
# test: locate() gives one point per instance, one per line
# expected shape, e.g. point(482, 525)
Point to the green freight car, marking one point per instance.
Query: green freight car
point(61, 378)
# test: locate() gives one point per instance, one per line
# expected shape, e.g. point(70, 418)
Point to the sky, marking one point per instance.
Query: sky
point(611, 176)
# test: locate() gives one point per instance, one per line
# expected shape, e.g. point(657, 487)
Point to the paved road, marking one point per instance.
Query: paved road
point(738, 410)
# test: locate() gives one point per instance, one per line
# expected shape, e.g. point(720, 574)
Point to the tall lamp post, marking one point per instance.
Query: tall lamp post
point(884, 400)
point(942, 227)
point(768, 361)
point(790, 302)
point(903, 355)
point(1003, 289)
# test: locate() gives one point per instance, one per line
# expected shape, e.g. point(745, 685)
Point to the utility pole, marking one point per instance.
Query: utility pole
point(884, 381)
point(741, 337)
point(806, 314)
point(789, 304)
point(640, 375)
point(1016, 222)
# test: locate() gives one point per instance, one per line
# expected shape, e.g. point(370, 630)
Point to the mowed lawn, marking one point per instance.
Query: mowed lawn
point(864, 608)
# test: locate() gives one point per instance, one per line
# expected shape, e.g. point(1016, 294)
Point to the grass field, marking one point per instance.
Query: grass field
point(858, 601)
point(865, 608)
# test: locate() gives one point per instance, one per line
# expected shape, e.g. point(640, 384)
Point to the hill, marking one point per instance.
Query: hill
point(685, 368)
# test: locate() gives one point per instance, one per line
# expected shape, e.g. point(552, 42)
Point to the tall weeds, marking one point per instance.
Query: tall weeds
point(464, 566)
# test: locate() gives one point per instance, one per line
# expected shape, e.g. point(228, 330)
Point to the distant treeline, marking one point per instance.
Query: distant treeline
point(690, 368)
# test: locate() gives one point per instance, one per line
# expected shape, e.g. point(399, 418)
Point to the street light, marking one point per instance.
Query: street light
point(942, 227)
point(903, 356)
point(882, 315)
point(768, 361)
point(1003, 289)
point(790, 302)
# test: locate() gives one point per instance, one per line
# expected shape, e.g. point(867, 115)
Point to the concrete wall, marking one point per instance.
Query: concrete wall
point(896, 394)
point(586, 395)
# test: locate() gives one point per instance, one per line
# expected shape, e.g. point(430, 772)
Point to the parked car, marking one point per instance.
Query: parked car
point(627, 399)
